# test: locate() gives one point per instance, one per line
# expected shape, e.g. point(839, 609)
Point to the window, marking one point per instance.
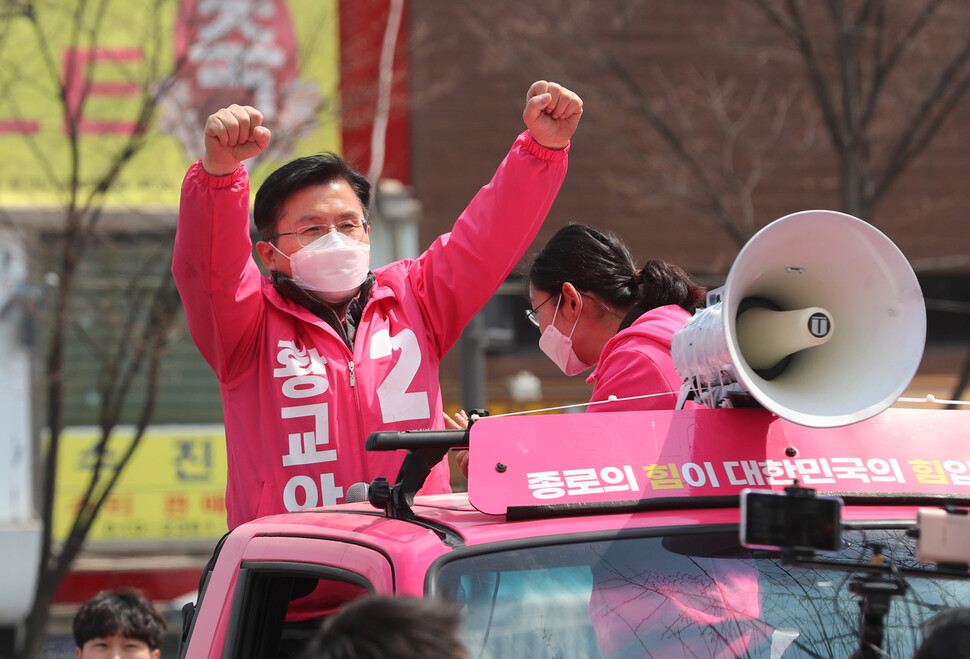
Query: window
point(695, 594)
point(277, 607)
point(110, 305)
point(506, 328)
point(947, 308)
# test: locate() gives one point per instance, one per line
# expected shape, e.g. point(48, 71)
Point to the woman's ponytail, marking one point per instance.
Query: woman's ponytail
point(660, 283)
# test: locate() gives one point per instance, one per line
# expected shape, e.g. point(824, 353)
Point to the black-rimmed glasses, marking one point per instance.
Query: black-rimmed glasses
point(530, 314)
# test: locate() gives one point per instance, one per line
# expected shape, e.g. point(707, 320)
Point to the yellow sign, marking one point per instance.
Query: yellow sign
point(78, 92)
point(173, 487)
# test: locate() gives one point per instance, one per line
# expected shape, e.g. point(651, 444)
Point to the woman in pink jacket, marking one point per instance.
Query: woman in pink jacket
point(595, 308)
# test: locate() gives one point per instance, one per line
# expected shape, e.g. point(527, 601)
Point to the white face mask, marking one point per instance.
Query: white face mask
point(333, 266)
point(559, 347)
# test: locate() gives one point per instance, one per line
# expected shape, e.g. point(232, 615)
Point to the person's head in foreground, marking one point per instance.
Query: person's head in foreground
point(118, 625)
point(379, 627)
point(946, 635)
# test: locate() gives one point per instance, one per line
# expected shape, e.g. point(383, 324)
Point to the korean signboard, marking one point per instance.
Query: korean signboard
point(173, 487)
point(83, 88)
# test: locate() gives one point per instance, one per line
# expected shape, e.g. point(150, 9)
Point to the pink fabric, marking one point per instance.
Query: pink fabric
point(637, 361)
point(709, 608)
point(298, 403)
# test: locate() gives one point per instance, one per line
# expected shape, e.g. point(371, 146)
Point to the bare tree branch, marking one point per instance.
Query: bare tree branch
point(150, 348)
point(883, 68)
point(870, 164)
point(138, 342)
point(937, 104)
point(796, 31)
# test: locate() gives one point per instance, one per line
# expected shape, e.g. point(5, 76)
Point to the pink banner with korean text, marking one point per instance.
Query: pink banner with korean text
point(625, 458)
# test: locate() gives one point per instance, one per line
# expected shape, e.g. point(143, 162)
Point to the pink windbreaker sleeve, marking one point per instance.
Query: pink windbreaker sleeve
point(461, 270)
point(213, 268)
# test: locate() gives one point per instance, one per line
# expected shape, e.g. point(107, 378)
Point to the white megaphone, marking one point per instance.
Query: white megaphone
point(821, 320)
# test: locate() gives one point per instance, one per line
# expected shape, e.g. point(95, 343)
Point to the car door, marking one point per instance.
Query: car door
point(284, 588)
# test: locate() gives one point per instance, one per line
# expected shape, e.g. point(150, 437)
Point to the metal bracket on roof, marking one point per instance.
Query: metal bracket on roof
point(425, 449)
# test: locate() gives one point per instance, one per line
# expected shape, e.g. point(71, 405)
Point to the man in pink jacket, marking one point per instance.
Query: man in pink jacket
point(323, 352)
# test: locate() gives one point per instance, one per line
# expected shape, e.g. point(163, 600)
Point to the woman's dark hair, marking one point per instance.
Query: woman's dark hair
point(297, 174)
point(598, 262)
point(125, 613)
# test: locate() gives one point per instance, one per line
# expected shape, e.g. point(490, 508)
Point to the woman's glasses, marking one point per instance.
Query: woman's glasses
point(531, 313)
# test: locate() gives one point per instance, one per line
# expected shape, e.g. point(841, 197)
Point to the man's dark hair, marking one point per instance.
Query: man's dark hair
point(599, 262)
point(381, 627)
point(946, 635)
point(297, 174)
point(125, 613)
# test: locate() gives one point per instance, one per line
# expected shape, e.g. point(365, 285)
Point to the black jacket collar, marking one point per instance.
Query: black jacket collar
point(345, 328)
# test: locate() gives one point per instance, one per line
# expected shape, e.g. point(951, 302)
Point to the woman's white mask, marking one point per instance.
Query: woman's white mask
point(559, 347)
point(334, 267)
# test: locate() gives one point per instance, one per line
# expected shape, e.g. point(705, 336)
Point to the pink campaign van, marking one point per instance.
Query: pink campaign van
point(617, 535)
point(795, 511)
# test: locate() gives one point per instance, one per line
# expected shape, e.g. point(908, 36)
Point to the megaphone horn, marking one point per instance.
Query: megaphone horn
point(768, 337)
point(821, 320)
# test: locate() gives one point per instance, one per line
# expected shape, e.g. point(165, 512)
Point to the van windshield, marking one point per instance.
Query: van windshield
point(687, 594)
